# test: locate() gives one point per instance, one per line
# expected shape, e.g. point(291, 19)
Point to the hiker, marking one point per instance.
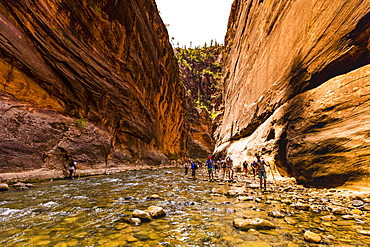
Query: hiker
point(223, 167)
point(261, 170)
point(216, 166)
point(254, 166)
point(209, 163)
point(230, 168)
point(245, 167)
point(72, 168)
point(186, 166)
point(194, 167)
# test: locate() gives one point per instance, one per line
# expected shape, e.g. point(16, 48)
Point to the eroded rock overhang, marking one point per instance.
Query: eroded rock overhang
point(296, 88)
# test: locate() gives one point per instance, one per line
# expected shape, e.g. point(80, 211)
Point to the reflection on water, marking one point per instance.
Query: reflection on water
point(89, 211)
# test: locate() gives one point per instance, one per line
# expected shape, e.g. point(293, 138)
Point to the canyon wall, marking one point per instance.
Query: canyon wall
point(297, 89)
point(94, 80)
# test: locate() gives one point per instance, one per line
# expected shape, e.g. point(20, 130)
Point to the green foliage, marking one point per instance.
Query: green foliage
point(203, 64)
point(172, 156)
point(82, 122)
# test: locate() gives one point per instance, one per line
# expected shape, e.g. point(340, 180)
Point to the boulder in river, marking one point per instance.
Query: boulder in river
point(154, 197)
point(341, 211)
point(312, 237)
point(143, 215)
point(156, 212)
point(301, 206)
point(4, 187)
point(357, 203)
point(256, 223)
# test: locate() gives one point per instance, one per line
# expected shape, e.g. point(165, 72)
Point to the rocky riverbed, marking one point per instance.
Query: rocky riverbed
point(94, 211)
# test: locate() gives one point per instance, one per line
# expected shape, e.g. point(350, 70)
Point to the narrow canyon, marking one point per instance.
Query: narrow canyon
point(98, 81)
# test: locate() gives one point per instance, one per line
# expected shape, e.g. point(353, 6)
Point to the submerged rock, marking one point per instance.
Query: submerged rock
point(257, 224)
point(132, 221)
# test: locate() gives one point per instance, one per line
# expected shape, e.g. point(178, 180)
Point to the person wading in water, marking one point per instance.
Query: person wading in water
point(230, 168)
point(186, 166)
point(209, 163)
point(194, 168)
point(72, 168)
point(260, 164)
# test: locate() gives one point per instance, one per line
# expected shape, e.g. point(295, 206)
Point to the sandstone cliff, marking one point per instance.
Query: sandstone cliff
point(296, 88)
point(94, 80)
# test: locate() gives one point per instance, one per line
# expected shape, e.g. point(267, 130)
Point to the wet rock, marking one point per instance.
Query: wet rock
point(357, 211)
point(276, 214)
point(363, 232)
point(357, 203)
point(230, 210)
point(156, 212)
point(301, 206)
point(290, 221)
point(4, 187)
point(328, 218)
point(232, 193)
point(348, 217)
point(257, 223)
point(154, 197)
point(142, 236)
point(20, 186)
point(253, 186)
point(216, 191)
point(245, 198)
point(291, 244)
point(286, 201)
point(143, 215)
point(312, 237)
point(341, 211)
point(132, 221)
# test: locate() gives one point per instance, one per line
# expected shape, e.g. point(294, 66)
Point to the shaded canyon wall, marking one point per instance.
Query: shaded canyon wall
point(297, 89)
point(92, 80)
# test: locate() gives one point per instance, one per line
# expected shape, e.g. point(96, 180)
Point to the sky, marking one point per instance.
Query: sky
point(196, 21)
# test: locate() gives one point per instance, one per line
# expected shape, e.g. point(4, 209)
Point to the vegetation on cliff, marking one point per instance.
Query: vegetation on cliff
point(200, 73)
point(200, 69)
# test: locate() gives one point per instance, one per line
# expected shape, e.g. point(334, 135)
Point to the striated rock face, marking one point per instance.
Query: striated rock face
point(92, 80)
point(296, 88)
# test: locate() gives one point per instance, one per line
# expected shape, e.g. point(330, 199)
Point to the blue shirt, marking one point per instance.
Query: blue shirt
point(209, 164)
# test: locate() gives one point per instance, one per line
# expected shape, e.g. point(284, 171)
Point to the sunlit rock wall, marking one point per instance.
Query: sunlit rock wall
point(91, 80)
point(296, 88)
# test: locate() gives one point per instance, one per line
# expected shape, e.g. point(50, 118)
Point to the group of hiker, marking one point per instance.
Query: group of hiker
point(225, 168)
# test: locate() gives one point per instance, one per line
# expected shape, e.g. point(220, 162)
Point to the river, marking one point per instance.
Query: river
point(89, 211)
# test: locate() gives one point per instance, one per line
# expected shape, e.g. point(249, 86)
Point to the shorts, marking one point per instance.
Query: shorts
point(210, 169)
point(262, 174)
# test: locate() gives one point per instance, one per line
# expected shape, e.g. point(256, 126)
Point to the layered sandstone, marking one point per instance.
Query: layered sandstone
point(92, 80)
point(296, 88)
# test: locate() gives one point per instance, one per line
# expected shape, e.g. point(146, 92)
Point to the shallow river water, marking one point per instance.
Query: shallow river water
point(89, 211)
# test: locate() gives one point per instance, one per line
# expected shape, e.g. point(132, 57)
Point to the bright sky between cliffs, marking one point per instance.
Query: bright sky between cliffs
point(196, 21)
